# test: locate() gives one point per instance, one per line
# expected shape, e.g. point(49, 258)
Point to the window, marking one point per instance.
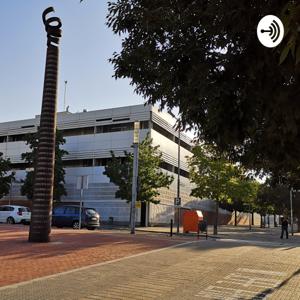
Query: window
point(171, 168)
point(167, 166)
point(183, 144)
point(3, 139)
point(90, 211)
point(78, 163)
point(70, 211)
point(19, 166)
point(16, 138)
point(23, 209)
point(163, 131)
point(122, 119)
point(78, 131)
point(171, 137)
point(8, 208)
point(144, 124)
point(114, 128)
point(59, 210)
point(102, 120)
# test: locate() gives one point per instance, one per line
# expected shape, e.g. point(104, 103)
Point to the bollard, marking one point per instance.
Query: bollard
point(171, 228)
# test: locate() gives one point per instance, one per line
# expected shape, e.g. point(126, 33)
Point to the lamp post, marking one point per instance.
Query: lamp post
point(82, 184)
point(134, 175)
point(291, 211)
point(178, 199)
point(178, 179)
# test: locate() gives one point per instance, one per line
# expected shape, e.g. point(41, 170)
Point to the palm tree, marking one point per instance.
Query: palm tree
point(40, 226)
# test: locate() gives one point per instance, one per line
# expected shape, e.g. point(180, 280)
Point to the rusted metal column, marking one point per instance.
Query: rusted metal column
point(40, 226)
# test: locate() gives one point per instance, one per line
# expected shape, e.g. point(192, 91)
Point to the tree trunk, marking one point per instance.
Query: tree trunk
point(40, 225)
point(216, 219)
point(275, 223)
point(235, 218)
point(268, 218)
point(261, 221)
point(252, 218)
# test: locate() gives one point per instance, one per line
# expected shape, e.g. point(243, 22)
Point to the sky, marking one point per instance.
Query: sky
point(85, 47)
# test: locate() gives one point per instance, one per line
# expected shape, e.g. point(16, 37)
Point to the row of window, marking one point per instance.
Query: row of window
point(103, 162)
point(170, 136)
point(104, 129)
point(82, 131)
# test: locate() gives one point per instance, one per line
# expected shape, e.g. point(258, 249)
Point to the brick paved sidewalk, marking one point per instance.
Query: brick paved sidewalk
point(213, 269)
point(235, 232)
point(69, 249)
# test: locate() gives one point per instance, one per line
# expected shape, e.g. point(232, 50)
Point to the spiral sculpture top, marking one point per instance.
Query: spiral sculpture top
point(52, 27)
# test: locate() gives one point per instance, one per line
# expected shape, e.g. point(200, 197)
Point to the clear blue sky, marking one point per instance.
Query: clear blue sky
point(86, 45)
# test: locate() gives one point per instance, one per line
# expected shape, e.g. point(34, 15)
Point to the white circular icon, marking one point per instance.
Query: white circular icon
point(270, 31)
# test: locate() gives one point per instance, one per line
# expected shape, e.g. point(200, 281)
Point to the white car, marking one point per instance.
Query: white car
point(12, 214)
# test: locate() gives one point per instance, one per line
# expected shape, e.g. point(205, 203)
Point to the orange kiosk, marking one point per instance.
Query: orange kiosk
point(191, 219)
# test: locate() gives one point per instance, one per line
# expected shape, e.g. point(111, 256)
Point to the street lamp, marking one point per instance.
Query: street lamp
point(178, 200)
point(11, 186)
point(135, 173)
point(291, 204)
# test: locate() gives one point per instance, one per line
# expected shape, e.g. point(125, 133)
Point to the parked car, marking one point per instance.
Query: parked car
point(12, 214)
point(68, 216)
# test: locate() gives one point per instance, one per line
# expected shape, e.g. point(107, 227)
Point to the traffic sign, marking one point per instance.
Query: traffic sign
point(177, 201)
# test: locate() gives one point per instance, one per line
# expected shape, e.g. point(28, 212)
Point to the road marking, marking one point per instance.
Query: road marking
point(15, 285)
point(245, 279)
point(262, 272)
point(223, 293)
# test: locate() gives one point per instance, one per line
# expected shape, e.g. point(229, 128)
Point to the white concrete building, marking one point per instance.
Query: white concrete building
point(90, 136)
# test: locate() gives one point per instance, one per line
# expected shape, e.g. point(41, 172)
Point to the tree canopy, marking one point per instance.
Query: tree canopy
point(59, 172)
point(204, 58)
point(216, 178)
point(150, 176)
point(5, 179)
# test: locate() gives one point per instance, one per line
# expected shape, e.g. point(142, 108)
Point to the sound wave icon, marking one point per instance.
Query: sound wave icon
point(274, 31)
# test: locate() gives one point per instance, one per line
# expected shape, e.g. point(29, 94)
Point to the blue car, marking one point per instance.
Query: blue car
point(68, 216)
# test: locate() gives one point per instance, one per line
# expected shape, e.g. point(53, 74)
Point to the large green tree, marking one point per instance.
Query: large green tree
point(59, 172)
point(216, 178)
point(5, 179)
point(150, 176)
point(204, 57)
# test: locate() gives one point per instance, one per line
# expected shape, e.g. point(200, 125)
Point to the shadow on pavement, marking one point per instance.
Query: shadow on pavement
point(268, 292)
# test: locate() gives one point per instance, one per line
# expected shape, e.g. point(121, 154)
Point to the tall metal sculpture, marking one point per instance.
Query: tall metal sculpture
point(40, 226)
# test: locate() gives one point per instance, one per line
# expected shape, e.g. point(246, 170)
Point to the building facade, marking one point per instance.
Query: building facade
point(90, 138)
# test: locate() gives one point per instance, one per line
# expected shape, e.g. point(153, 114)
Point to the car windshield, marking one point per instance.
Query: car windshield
point(90, 211)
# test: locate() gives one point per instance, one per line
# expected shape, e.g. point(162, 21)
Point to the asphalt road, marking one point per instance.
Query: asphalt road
point(213, 269)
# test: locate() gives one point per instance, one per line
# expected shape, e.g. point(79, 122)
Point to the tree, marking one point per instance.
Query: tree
point(5, 180)
point(204, 57)
point(244, 193)
point(216, 178)
point(150, 176)
point(59, 172)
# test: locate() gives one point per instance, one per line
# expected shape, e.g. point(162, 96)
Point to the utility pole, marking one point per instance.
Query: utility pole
point(12, 179)
point(178, 180)
point(291, 204)
point(177, 200)
point(82, 184)
point(135, 174)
